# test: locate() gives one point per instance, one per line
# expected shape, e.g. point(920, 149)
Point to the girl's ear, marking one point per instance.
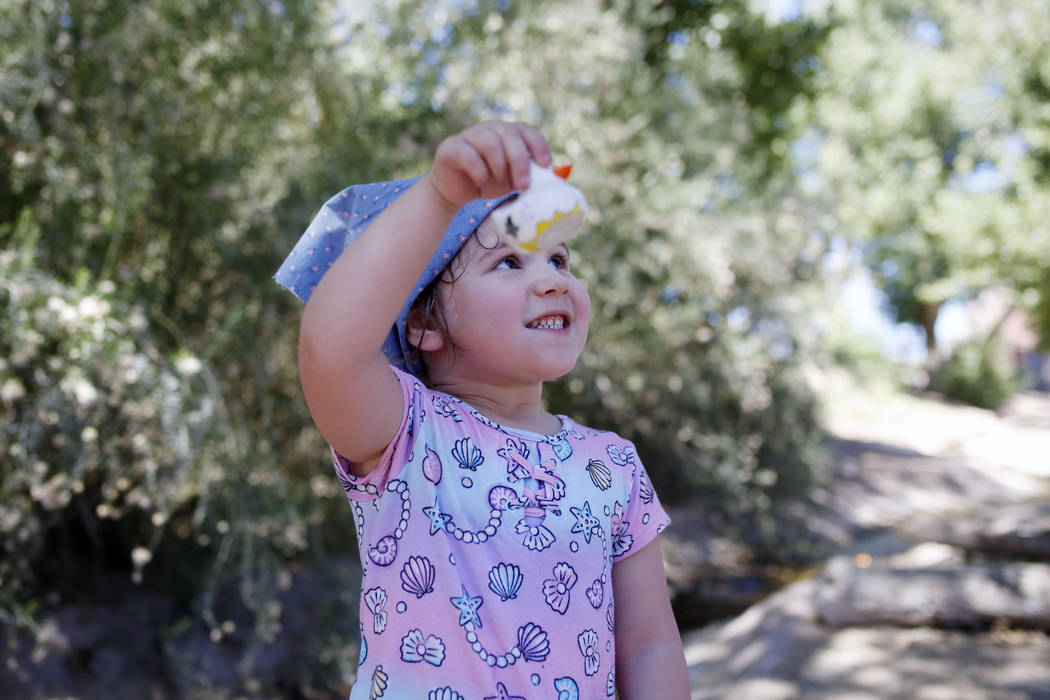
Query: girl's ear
point(423, 334)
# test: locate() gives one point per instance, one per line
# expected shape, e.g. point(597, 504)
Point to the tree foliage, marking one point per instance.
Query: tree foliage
point(928, 141)
point(689, 247)
point(160, 157)
point(145, 149)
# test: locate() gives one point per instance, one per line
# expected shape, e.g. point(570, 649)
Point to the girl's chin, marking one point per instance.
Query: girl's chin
point(538, 367)
point(546, 372)
point(556, 370)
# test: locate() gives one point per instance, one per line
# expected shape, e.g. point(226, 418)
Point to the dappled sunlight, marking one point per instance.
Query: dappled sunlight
point(910, 606)
point(740, 160)
point(794, 655)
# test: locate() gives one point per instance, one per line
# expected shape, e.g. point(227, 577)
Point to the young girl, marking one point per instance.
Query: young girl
point(494, 536)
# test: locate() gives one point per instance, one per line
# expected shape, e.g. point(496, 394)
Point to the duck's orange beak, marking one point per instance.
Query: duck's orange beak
point(563, 171)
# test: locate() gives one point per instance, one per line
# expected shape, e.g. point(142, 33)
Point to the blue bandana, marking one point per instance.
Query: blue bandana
point(342, 219)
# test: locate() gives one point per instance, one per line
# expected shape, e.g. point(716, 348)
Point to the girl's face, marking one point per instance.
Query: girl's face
point(513, 317)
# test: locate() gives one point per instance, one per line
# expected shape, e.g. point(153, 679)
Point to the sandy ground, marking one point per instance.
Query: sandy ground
point(900, 457)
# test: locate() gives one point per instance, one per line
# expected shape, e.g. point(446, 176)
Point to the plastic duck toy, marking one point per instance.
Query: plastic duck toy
point(549, 212)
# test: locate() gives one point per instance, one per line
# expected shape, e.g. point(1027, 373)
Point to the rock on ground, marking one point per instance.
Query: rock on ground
point(778, 650)
point(906, 465)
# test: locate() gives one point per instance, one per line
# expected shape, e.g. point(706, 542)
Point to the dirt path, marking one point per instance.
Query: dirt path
point(900, 459)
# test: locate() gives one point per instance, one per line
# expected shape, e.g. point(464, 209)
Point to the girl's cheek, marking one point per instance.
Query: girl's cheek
point(583, 305)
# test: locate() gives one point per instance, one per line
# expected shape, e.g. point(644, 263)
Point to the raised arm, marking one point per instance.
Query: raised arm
point(349, 387)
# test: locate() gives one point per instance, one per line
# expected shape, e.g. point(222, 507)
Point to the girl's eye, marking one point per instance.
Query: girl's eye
point(559, 261)
point(508, 263)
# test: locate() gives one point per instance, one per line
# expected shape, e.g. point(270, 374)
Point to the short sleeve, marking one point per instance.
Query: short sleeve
point(643, 518)
point(396, 455)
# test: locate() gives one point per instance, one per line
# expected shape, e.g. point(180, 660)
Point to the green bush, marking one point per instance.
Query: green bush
point(170, 153)
point(98, 427)
point(119, 456)
point(982, 373)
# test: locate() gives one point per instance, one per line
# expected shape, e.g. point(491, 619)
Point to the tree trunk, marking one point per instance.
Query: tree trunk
point(928, 319)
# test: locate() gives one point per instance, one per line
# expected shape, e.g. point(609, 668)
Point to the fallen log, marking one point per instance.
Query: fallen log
point(1018, 531)
point(962, 597)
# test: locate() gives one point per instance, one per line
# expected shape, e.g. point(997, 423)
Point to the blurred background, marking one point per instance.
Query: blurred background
point(819, 238)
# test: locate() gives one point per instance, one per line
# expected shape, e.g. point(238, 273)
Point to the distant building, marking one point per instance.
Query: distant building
point(993, 310)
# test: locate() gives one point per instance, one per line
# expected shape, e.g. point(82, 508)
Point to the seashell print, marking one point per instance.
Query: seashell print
point(502, 497)
point(556, 590)
point(375, 600)
point(384, 551)
point(600, 474)
point(610, 683)
point(505, 581)
point(620, 456)
point(595, 593)
point(445, 693)
point(622, 542)
point(379, 679)
point(432, 466)
point(533, 643)
point(567, 688)
point(417, 576)
point(467, 454)
point(415, 649)
point(536, 537)
point(588, 643)
point(610, 619)
point(562, 447)
point(645, 489)
point(342, 473)
point(444, 407)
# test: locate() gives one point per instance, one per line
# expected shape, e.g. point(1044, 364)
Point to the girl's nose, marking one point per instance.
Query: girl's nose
point(550, 281)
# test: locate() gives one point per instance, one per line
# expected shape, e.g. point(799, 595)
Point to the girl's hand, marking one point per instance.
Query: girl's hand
point(487, 160)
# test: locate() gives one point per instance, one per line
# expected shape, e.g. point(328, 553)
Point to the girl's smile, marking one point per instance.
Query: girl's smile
point(555, 322)
point(514, 316)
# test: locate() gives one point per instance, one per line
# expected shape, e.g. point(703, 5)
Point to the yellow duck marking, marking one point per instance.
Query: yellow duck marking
point(542, 226)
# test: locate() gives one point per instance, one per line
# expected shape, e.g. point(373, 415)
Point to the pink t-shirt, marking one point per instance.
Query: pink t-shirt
point(487, 555)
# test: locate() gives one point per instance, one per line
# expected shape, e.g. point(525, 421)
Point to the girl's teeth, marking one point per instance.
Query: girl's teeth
point(555, 323)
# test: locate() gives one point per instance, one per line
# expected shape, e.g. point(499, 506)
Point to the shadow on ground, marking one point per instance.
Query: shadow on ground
point(907, 470)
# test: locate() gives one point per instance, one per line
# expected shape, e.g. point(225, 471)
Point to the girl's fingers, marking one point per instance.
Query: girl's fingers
point(538, 147)
point(507, 149)
point(517, 150)
point(488, 142)
point(461, 171)
point(491, 158)
point(475, 168)
point(523, 143)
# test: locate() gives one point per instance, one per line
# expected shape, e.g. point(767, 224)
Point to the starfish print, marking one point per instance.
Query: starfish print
point(438, 520)
point(468, 608)
point(585, 522)
point(503, 694)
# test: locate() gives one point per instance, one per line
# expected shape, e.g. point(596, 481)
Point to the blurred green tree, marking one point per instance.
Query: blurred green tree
point(144, 150)
point(158, 158)
point(696, 248)
point(928, 145)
